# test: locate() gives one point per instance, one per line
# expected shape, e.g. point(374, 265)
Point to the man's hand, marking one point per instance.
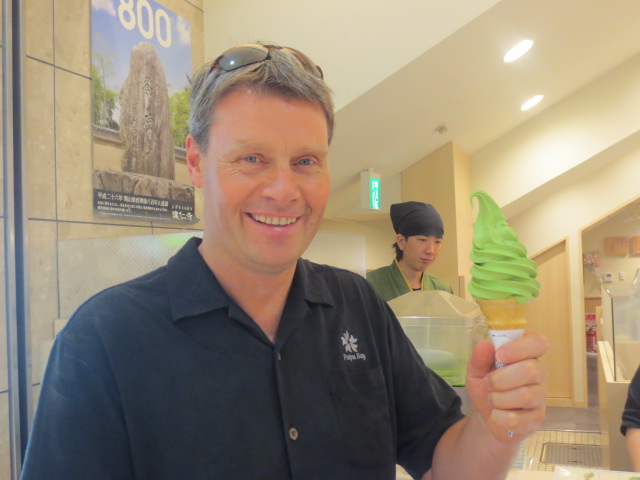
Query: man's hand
point(511, 400)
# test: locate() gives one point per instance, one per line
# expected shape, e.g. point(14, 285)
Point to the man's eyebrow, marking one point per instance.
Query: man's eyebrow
point(307, 149)
point(245, 143)
point(316, 149)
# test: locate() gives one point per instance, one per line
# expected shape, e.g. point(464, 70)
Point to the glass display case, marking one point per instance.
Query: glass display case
point(621, 324)
point(618, 359)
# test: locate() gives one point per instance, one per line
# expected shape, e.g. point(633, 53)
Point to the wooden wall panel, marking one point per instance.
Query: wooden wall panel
point(550, 314)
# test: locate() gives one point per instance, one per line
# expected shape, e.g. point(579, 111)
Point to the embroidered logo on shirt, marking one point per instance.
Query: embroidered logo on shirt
point(350, 344)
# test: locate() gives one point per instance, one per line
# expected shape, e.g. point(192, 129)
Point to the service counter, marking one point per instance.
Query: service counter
point(612, 395)
point(513, 475)
point(529, 475)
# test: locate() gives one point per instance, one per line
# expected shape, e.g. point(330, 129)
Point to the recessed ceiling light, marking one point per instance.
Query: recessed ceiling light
point(532, 102)
point(516, 52)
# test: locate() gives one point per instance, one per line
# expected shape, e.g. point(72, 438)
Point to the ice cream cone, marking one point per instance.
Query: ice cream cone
point(506, 314)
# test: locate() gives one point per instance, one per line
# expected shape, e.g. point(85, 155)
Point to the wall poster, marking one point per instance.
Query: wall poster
point(141, 62)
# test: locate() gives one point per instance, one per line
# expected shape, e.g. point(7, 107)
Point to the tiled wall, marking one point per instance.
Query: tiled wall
point(58, 158)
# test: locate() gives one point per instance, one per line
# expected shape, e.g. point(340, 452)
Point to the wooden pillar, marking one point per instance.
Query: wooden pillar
point(443, 179)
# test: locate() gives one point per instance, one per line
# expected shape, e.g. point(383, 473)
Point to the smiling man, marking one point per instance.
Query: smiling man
point(419, 231)
point(265, 190)
point(240, 360)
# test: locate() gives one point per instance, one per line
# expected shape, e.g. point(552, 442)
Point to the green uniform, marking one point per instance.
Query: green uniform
point(390, 282)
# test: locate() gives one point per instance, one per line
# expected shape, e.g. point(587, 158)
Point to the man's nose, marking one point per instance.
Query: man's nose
point(281, 184)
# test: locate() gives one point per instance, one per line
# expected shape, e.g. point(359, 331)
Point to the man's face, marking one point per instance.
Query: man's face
point(419, 251)
point(265, 180)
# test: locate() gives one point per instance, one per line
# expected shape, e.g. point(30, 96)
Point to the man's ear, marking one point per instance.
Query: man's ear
point(195, 162)
point(401, 241)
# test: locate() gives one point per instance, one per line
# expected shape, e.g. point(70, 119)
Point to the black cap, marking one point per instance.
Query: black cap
point(416, 218)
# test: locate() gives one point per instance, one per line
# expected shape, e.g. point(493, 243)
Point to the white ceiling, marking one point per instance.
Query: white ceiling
point(401, 68)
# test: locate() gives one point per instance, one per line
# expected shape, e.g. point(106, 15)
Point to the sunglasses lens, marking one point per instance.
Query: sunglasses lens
point(241, 57)
point(244, 55)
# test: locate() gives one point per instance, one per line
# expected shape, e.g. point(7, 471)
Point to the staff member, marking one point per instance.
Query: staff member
point(419, 231)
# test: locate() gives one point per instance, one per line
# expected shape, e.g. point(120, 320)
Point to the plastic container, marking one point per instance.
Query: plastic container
point(443, 328)
point(443, 343)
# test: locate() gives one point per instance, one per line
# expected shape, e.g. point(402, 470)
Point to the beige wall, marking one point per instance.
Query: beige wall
point(378, 236)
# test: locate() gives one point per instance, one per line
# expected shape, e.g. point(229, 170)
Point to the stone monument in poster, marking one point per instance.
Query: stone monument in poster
point(145, 121)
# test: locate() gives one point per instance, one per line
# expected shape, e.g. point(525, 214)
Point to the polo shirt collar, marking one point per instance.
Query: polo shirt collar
point(308, 282)
point(194, 289)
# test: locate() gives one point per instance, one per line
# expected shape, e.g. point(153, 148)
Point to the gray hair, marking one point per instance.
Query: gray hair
point(281, 74)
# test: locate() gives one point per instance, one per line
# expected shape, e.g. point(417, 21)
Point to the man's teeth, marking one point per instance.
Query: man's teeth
point(274, 220)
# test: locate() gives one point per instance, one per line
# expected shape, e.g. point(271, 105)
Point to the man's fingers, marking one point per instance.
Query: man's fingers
point(528, 397)
point(526, 372)
point(530, 345)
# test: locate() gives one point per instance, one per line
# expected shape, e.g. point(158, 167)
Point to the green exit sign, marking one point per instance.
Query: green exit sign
point(374, 193)
point(370, 198)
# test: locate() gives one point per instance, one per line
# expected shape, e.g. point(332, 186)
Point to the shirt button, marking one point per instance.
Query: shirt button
point(279, 356)
point(293, 434)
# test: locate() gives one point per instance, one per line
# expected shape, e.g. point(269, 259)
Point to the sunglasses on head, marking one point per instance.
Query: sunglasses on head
point(243, 55)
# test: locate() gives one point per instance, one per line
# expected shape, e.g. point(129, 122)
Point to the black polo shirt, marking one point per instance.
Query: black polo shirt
point(165, 377)
point(631, 412)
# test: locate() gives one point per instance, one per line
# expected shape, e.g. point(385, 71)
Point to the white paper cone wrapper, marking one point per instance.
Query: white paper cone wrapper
point(500, 337)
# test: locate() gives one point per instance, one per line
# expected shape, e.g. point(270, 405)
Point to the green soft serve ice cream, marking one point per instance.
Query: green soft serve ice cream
point(501, 269)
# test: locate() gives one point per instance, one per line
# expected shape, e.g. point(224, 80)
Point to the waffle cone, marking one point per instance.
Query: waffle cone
point(505, 314)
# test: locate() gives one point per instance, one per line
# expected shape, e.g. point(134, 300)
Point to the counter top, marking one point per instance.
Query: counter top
point(529, 475)
point(513, 475)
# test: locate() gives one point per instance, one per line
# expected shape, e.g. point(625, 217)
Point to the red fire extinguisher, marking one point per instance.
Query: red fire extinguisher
point(591, 340)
